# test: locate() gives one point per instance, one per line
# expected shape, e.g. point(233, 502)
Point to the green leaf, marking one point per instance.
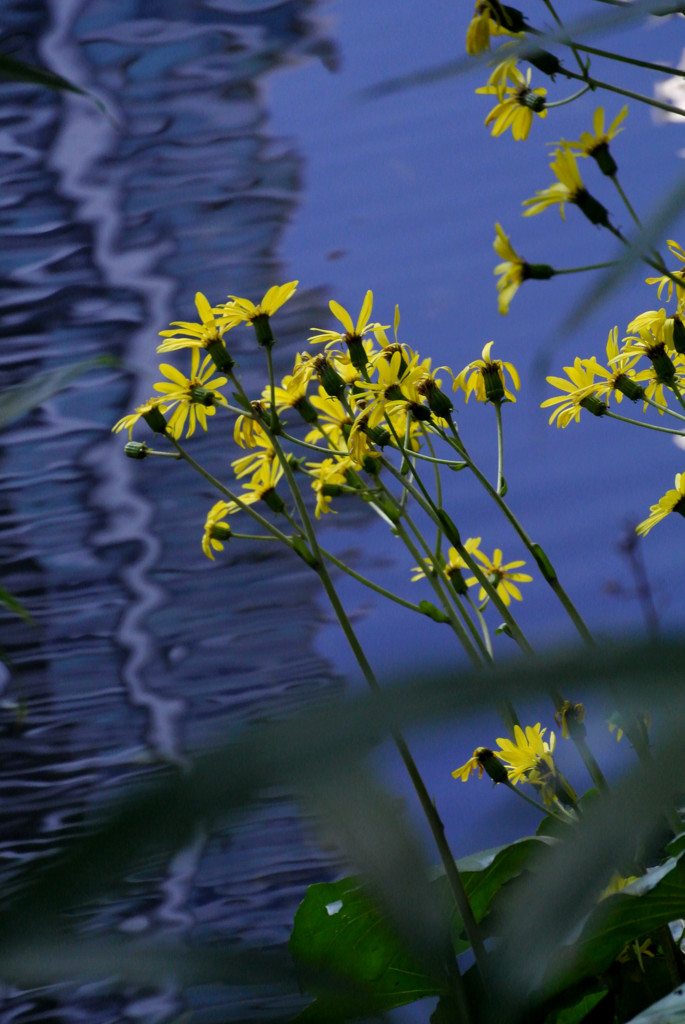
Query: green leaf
point(355, 963)
point(340, 935)
point(16, 402)
point(577, 1008)
point(10, 602)
point(652, 901)
point(21, 72)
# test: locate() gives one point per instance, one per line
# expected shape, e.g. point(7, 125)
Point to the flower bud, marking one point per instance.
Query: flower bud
point(629, 387)
point(604, 159)
point(438, 402)
point(594, 405)
point(329, 378)
point(492, 765)
point(219, 353)
point(202, 396)
point(220, 531)
point(135, 450)
point(591, 207)
point(155, 420)
point(262, 328)
point(674, 333)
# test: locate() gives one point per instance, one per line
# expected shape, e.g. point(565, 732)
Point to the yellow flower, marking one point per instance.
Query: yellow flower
point(190, 335)
point(568, 188)
point(328, 479)
point(501, 577)
point(353, 334)
point(482, 756)
point(194, 397)
point(128, 422)
point(243, 311)
point(596, 143)
point(517, 102)
point(215, 531)
point(527, 752)
point(666, 282)
point(262, 487)
point(578, 393)
point(514, 270)
point(490, 19)
point(672, 501)
point(454, 560)
point(485, 378)
point(620, 379)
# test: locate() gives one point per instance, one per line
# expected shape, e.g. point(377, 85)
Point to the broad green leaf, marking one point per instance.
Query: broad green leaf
point(339, 933)
point(577, 1008)
point(15, 402)
point(652, 901)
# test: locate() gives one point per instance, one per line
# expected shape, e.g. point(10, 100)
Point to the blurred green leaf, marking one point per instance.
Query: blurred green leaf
point(10, 602)
point(340, 932)
point(18, 71)
point(17, 401)
point(578, 1006)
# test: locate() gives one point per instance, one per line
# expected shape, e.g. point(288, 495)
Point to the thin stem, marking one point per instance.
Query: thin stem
point(535, 803)
point(568, 99)
point(662, 408)
point(590, 266)
point(272, 390)
point(500, 448)
point(677, 392)
point(628, 204)
point(369, 583)
point(545, 566)
point(486, 584)
point(664, 69)
point(640, 423)
point(583, 67)
point(436, 826)
point(264, 523)
point(438, 490)
point(595, 83)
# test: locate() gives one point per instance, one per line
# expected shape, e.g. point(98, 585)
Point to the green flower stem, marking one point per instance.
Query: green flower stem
point(674, 72)
point(439, 462)
point(491, 591)
point(368, 583)
point(535, 803)
point(656, 264)
point(662, 408)
point(169, 455)
point(436, 583)
point(264, 523)
point(640, 423)
point(313, 447)
point(568, 99)
point(433, 818)
point(434, 821)
point(438, 497)
point(273, 414)
point(500, 448)
point(628, 204)
point(251, 536)
point(678, 393)
point(485, 631)
point(590, 266)
point(595, 83)
point(581, 745)
point(583, 67)
point(551, 578)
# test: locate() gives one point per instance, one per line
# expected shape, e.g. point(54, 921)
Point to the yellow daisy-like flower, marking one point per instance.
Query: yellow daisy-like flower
point(620, 379)
point(262, 487)
point(485, 378)
point(672, 501)
point(596, 143)
point(568, 188)
point(666, 282)
point(146, 409)
point(195, 397)
point(578, 394)
point(189, 335)
point(514, 270)
point(482, 756)
point(501, 577)
point(243, 311)
point(491, 18)
point(328, 479)
point(526, 752)
point(215, 530)
point(353, 335)
point(517, 102)
point(454, 561)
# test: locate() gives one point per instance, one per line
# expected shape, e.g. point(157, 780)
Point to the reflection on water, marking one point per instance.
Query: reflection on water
point(108, 227)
